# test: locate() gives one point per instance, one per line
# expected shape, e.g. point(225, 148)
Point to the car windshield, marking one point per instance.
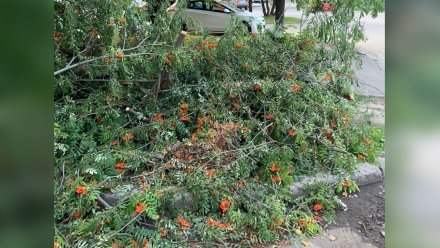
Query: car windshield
point(235, 9)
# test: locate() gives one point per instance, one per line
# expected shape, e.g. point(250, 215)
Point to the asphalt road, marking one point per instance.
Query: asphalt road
point(372, 74)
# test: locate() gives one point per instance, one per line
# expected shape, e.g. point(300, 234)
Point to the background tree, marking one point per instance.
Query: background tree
point(279, 11)
point(268, 8)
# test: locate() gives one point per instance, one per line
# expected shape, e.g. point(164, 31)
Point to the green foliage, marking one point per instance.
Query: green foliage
point(237, 118)
point(340, 26)
point(278, 165)
point(347, 186)
point(320, 201)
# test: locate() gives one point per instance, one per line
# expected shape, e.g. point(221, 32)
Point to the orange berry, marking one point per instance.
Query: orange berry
point(139, 207)
point(184, 224)
point(276, 179)
point(185, 118)
point(296, 88)
point(274, 168)
point(291, 133)
point(211, 173)
point(77, 214)
point(119, 166)
point(361, 156)
point(81, 190)
point(119, 55)
point(318, 207)
point(328, 77)
point(56, 36)
point(122, 20)
point(257, 87)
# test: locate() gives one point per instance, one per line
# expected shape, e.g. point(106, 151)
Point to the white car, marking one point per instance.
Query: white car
point(216, 17)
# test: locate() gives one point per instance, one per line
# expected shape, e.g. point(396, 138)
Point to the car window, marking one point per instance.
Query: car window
point(232, 8)
point(195, 5)
point(216, 7)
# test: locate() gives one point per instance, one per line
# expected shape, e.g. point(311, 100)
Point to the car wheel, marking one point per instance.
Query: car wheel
point(248, 27)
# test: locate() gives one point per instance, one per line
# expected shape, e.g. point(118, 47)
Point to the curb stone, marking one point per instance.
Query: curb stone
point(365, 173)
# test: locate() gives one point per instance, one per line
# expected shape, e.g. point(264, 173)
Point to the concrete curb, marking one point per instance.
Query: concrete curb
point(365, 173)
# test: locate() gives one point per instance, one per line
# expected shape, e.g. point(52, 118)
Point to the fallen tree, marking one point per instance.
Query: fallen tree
point(226, 122)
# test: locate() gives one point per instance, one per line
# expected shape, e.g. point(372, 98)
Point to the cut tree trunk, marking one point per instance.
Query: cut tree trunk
point(164, 75)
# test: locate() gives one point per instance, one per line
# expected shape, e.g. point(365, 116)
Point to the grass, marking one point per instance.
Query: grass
point(287, 19)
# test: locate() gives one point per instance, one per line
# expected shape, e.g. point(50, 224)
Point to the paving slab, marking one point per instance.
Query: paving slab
point(375, 108)
point(345, 238)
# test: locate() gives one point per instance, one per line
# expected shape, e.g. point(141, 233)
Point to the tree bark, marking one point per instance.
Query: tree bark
point(279, 12)
point(250, 5)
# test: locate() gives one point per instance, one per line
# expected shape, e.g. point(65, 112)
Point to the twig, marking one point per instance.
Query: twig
point(159, 81)
point(365, 229)
point(138, 45)
point(333, 148)
point(77, 64)
point(236, 150)
point(143, 175)
point(125, 37)
point(116, 232)
point(221, 241)
point(100, 183)
point(109, 80)
point(91, 60)
point(71, 61)
point(145, 91)
point(62, 235)
point(62, 179)
point(262, 130)
point(131, 111)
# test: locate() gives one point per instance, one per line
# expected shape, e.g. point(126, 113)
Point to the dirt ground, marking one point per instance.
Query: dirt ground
point(362, 225)
point(365, 214)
